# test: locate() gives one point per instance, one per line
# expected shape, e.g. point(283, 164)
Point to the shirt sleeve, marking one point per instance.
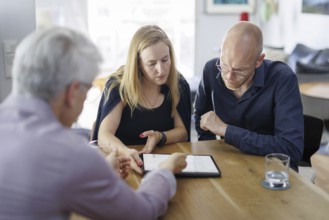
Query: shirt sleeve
point(203, 102)
point(95, 191)
point(288, 130)
point(158, 180)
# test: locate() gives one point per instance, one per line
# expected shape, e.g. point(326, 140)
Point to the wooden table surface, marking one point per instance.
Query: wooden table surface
point(238, 194)
point(315, 89)
point(315, 99)
point(320, 163)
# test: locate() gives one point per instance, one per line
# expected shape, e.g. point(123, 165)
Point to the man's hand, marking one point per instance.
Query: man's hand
point(135, 161)
point(176, 162)
point(210, 121)
point(120, 164)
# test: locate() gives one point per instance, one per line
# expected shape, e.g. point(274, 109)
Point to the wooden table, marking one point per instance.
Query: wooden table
point(320, 163)
point(238, 194)
point(315, 98)
point(318, 90)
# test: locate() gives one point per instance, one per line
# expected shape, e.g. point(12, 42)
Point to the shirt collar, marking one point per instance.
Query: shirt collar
point(259, 77)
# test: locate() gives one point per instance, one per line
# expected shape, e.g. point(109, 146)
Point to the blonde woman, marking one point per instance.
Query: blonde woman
point(146, 101)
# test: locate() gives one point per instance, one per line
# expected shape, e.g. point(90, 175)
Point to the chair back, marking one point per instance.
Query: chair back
point(313, 128)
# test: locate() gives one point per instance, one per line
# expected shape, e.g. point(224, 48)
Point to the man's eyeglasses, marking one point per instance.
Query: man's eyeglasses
point(224, 69)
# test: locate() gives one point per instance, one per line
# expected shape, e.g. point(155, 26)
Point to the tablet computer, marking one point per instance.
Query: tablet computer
point(197, 165)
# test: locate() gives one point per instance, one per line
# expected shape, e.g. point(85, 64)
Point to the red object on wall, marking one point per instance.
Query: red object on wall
point(244, 16)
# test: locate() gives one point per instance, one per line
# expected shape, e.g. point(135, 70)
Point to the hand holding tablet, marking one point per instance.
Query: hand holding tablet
point(197, 165)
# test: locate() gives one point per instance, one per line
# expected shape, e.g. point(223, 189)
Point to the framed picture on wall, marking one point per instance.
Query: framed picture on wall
point(316, 7)
point(229, 6)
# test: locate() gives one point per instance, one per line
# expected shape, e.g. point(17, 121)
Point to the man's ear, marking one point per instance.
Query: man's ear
point(260, 60)
point(71, 93)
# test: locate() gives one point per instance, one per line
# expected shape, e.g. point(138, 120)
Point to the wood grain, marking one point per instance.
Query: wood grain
point(238, 194)
point(315, 89)
point(320, 163)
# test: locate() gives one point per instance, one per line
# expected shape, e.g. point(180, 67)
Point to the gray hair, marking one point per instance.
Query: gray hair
point(49, 60)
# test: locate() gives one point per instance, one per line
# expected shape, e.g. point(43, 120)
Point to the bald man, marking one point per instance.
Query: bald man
point(253, 103)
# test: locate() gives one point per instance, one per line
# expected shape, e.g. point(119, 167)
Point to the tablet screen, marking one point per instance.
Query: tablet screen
point(197, 165)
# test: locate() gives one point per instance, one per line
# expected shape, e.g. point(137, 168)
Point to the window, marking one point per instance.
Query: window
point(111, 25)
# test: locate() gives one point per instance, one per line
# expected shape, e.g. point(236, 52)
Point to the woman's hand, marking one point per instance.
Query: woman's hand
point(121, 164)
point(153, 137)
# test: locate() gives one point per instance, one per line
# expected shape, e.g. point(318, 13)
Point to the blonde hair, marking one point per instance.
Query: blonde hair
point(128, 77)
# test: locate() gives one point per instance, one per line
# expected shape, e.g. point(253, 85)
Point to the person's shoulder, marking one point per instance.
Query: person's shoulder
point(115, 77)
point(67, 146)
point(181, 79)
point(278, 69)
point(183, 84)
point(211, 62)
point(279, 72)
point(112, 88)
point(76, 146)
point(210, 70)
point(70, 140)
point(112, 79)
point(278, 66)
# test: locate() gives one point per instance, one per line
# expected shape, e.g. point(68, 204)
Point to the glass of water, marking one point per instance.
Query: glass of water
point(276, 171)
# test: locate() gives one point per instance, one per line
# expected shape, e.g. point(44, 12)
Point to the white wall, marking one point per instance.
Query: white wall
point(17, 19)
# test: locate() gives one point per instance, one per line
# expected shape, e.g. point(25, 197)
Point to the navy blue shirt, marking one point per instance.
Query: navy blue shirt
point(268, 118)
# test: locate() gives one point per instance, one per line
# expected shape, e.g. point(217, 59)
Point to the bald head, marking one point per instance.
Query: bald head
point(244, 39)
point(241, 53)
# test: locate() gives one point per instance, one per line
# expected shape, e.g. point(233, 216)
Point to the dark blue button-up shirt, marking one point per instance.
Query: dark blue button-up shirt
point(268, 118)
